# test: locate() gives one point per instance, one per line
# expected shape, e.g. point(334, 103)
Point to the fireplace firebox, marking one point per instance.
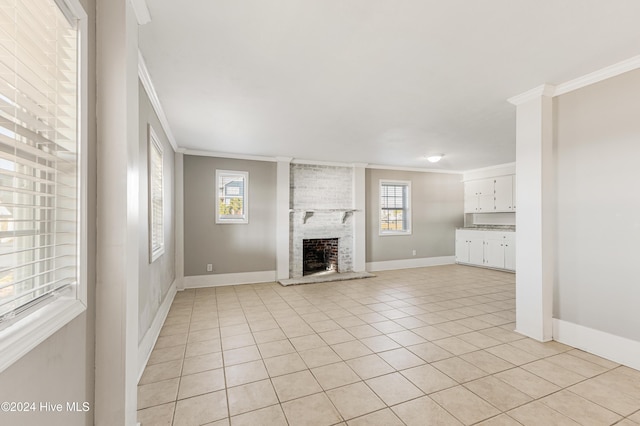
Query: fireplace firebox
point(319, 255)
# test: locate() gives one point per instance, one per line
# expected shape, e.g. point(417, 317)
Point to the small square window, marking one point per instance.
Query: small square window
point(395, 212)
point(232, 200)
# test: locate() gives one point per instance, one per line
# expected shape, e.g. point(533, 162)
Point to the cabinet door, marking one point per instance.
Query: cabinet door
point(471, 204)
point(486, 204)
point(514, 193)
point(485, 186)
point(504, 194)
point(476, 249)
point(494, 253)
point(510, 253)
point(462, 249)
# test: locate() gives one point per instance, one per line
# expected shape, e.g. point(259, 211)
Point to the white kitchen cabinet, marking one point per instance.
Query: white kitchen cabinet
point(469, 247)
point(499, 250)
point(503, 200)
point(491, 249)
point(489, 195)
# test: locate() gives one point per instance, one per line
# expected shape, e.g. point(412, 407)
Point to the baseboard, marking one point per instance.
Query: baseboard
point(216, 280)
point(149, 340)
point(389, 265)
point(615, 348)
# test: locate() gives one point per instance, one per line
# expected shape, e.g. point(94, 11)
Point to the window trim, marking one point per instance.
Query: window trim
point(245, 219)
point(408, 220)
point(154, 142)
point(34, 326)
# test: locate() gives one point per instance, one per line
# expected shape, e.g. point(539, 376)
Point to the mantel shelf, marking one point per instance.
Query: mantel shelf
point(309, 212)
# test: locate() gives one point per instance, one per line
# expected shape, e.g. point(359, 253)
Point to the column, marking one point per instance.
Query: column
point(359, 218)
point(283, 192)
point(535, 226)
point(117, 214)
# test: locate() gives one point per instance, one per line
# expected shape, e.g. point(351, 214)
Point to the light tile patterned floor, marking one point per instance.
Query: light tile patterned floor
point(429, 346)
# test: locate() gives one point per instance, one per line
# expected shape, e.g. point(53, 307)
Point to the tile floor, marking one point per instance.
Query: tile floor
point(429, 346)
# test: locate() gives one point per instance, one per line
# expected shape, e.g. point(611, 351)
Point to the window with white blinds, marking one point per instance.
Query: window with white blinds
point(39, 148)
point(395, 212)
point(156, 203)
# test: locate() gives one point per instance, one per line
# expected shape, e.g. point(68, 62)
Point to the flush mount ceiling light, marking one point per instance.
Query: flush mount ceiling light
point(434, 158)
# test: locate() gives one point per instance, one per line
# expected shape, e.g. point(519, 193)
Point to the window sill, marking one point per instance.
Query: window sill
point(393, 234)
point(25, 334)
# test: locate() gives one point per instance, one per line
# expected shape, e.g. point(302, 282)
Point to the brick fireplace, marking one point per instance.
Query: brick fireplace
point(321, 209)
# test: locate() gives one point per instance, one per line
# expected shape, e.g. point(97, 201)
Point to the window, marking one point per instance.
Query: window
point(42, 164)
point(156, 205)
point(395, 212)
point(232, 202)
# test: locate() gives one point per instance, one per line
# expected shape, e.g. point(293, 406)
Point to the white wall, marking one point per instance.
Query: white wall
point(598, 148)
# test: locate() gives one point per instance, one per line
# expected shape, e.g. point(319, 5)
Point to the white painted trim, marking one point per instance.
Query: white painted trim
point(536, 92)
point(597, 76)
point(147, 83)
point(321, 163)
point(228, 155)
point(216, 280)
point(615, 348)
point(390, 265)
point(142, 11)
point(283, 195)
point(151, 337)
point(489, 168)
point(413, 169)
point(24, 335)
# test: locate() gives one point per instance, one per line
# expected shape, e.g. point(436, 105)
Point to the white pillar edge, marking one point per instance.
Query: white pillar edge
point(179, 218)
point(118, 219)
point(283, 195)
point(359, 218)
point(535, 220)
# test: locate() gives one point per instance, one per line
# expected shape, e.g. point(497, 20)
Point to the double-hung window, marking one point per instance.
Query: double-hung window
point(395, 207)
point(156, 203)
point(42, 164)
point(232, 200)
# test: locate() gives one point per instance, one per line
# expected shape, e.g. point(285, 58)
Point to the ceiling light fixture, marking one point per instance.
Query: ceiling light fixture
point(435, 158)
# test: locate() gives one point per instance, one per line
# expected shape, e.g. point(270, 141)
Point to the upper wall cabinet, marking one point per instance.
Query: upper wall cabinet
point(490, 195)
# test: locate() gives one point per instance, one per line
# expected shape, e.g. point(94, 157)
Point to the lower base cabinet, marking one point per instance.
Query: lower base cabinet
point(491, 249)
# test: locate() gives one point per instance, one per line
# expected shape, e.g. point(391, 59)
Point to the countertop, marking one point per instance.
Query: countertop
point(501, 228)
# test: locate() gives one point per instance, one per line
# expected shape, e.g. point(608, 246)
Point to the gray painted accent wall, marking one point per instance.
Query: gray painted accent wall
point(437, 205)
point(597, 137)
point(154, 278)
point(231, 248)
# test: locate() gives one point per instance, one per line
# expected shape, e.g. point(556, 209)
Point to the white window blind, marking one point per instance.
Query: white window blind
point(156, 203)
point(395, 217)
point(39, 220)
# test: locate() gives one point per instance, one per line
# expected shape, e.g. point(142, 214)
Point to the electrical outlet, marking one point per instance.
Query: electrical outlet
point(414, 252)
point(209, 267)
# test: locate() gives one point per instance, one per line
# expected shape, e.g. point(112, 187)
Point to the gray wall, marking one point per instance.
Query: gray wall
point(598, 147)
point(437, 205)
point(231, 248)
point(154, 278)
point(61, 368)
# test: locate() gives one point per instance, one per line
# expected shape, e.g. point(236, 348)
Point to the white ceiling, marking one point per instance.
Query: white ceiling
point(375, 81)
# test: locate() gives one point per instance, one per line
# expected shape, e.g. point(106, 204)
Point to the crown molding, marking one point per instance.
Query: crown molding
point(597, 76)
point(284, 159)
point(536, 92)
point(413, 169)
point(497, 166)
point(145, 78)
point(141, 10)
point(321, 163)
point(230, 155)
